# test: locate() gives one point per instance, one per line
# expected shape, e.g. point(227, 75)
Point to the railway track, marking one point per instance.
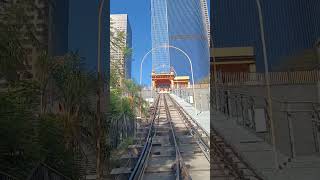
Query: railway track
point(226, 163)
point(176, 147)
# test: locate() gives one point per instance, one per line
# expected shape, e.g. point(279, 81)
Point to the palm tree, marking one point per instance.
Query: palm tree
point(11, 57)
point(19, 104)
point(124, 103)
point(74, 87)
point(20, 150)
point(76, 90)
point(42, 69)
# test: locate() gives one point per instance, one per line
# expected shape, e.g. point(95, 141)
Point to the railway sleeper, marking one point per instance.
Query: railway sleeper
point(141, 134)
point(162, 133)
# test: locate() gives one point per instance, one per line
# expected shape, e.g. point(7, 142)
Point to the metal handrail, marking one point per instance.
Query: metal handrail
point(7, 176)
point(296, 107)
point(228, 161)
point(311, 103)
point(247, 78)
point(184, 114)
point(244, 94)
point(55, 171)
point(136, 173)
point(193, 120)
point(31, 176)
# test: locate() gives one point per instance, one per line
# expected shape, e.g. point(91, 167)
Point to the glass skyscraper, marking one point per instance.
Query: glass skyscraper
point(182, 24)
point(160, 36)
point(291, 26)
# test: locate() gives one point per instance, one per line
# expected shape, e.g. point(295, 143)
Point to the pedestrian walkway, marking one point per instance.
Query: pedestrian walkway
point(202, 117)
point(259, 155)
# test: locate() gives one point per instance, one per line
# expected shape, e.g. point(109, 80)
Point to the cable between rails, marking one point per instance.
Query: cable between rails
point(181, 169)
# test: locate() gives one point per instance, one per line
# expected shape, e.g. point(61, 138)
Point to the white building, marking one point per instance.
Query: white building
point(120, 23)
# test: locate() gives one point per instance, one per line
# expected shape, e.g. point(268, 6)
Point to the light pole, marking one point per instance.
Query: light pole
point(100, 89)
point(214, 73)
point(180, 50)
point(266, 71)
point(317, 46)
point(176, 74)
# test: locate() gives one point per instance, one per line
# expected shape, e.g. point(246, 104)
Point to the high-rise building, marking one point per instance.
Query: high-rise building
point(120, 23)
point(184, 25)
point(291, 27)
point(160, 36)
point(205, 14)
point(50, 24)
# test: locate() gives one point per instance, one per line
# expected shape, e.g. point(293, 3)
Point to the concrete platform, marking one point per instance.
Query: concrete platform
point(260, 156)
point(200, 175)
point(159, 176)
point(203, 118)
point(122, 170)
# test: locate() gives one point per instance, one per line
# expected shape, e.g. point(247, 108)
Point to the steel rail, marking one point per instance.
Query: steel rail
point(149, 151)
point(181, 169)
point(174, 140)
point(220, 151)
point(204, 146)
point(138, 170)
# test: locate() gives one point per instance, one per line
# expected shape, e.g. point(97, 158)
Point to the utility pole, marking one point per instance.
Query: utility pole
point(267, 79)
point(214, 73)
point(317, 46)
point(99, 143)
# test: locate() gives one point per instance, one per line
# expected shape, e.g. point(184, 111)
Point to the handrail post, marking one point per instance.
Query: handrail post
point(290, 128)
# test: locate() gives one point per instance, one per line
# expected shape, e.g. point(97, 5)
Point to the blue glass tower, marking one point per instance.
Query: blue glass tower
point(182, 24)
point(160, 36)
point(291, 26)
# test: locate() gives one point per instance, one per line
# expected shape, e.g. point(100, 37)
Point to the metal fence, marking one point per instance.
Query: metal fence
point(200, 86)
point(41, 172)
point(44, 172)
point(244, 78)
point(297, 123)
point(4, 176)
point(201, 99)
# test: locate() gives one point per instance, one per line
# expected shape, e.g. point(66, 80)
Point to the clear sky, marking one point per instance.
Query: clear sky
point(140, 19)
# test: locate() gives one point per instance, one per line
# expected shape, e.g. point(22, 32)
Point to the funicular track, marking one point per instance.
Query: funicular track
point(175, 147)
point(226, 163)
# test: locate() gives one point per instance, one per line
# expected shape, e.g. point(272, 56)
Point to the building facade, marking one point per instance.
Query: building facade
point(234, 59)
point(205, 16)
point(184, 25)
point(83, 33)
point(49, 23)
point(120, 23)
point(160, 36)
point(291, 27)
point(58, 27)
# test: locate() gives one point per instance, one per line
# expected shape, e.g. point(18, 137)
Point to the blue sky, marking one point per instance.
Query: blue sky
point(140, 20)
